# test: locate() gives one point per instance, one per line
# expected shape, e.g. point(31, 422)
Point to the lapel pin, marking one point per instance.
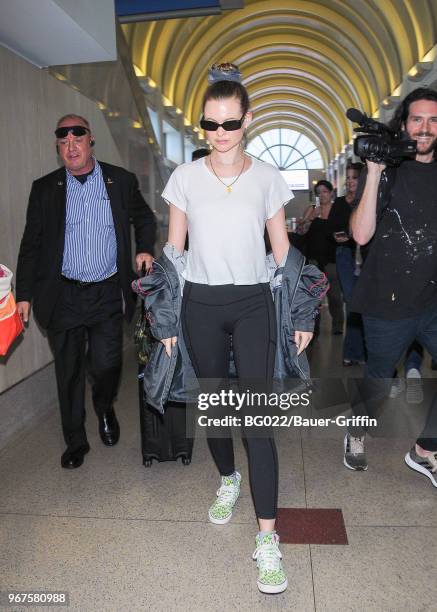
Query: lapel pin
point(109, 181)
point(60, 183)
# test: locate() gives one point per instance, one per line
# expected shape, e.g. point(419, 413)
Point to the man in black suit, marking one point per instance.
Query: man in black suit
point(74, 265)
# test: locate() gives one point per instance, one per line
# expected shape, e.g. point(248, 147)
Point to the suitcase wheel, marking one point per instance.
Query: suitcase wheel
point(147, 462)
point(186, 460)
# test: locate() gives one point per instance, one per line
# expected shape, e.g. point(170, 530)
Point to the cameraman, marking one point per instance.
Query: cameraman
point(397, 290)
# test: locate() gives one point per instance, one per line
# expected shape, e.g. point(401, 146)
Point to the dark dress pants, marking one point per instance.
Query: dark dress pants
point(86, 336)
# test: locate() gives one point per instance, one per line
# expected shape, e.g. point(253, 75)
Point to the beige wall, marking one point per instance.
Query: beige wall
point(30, 102)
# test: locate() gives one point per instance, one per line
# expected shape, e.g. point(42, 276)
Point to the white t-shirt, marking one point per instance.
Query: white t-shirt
point(226, 230)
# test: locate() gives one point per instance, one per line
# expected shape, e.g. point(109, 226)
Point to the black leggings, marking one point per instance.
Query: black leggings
point(211, 315)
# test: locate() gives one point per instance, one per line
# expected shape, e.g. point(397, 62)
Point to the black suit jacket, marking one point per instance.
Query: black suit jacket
point(39, 266)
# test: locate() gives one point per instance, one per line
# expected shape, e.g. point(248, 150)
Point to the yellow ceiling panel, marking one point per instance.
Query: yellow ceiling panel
point(304, 62)
point(305, 70)
point(317, 105)
point(301, 50)
point(321, 125)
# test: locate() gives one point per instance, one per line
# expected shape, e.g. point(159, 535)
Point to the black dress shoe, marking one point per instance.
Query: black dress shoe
point(353, 362)
point(72, 459)
point(109, 429)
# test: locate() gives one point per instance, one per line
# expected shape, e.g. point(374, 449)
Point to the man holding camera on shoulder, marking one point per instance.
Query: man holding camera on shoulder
point(397, 290)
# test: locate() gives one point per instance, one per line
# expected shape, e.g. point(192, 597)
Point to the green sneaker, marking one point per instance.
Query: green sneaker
point(221, 510)
point(271, 575)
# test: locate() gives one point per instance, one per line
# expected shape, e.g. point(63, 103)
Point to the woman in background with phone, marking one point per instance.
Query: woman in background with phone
point(338, 223)
point(320, 248)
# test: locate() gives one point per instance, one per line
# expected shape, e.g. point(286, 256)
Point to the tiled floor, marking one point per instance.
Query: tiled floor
point(119, 537)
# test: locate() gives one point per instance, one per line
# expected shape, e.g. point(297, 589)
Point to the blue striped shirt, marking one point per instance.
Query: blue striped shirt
point(90, 250)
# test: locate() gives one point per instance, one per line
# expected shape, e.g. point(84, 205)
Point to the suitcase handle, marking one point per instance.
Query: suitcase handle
point(144, 272)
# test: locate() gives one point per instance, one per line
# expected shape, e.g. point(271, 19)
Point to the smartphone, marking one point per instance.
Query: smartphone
point(316, 202)
point(341, 235)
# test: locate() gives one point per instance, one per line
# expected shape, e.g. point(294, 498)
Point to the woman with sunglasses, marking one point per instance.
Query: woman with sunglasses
point(225, 201)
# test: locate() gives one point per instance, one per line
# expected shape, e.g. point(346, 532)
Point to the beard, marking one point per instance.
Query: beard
point(429, 148)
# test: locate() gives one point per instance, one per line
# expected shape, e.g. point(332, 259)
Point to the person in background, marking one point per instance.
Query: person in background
point(198, 153)
point(338, 221)
point(320, 248)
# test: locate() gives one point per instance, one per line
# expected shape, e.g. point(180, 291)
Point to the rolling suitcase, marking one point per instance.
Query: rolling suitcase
point(163, 437)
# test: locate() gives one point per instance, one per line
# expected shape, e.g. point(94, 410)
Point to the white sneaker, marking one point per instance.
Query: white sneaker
point(397, 387)
point(414, 387)
point(271, 575)
point(426, 465)
point(221, 510)
point(355, 453)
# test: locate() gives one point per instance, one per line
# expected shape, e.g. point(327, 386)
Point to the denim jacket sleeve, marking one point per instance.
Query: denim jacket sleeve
point(158, 294)
point(311, 290)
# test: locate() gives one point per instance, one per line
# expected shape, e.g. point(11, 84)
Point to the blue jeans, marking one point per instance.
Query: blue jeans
point(353, 345)
point(386, 342)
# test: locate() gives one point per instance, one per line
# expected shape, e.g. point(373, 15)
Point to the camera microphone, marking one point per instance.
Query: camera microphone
point(354, 115)
point(367, 124)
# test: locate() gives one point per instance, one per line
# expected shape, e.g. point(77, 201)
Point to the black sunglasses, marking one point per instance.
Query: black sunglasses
point(76, 130)
point(229, 126)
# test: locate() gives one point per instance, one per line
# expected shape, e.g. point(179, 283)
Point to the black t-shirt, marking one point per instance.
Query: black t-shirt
point(399, 278)
point(320, 244)
point(338, 220)
point(83, 177)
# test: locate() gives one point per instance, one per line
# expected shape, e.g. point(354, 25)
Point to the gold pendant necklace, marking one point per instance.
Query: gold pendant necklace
point(228, 187)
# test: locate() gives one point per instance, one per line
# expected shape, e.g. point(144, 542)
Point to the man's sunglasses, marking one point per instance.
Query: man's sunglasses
point(229, 126)
point(76, 130)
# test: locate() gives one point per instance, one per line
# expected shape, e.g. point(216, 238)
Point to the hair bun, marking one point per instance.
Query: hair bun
point(224, 72)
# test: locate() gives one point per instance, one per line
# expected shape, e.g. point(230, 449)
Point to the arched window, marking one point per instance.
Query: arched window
point(286, 149)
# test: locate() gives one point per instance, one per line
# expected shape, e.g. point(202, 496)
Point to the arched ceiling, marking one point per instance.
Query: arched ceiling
point(304, 62)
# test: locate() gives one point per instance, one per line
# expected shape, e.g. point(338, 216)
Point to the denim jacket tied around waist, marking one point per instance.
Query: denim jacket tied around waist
point(297, 291)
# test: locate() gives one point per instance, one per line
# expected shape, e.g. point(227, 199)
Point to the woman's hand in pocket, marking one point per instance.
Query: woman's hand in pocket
point(169, 343)
point(302, 339)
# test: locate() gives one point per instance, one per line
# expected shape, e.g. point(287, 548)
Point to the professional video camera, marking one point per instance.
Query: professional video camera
point(379, 143)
